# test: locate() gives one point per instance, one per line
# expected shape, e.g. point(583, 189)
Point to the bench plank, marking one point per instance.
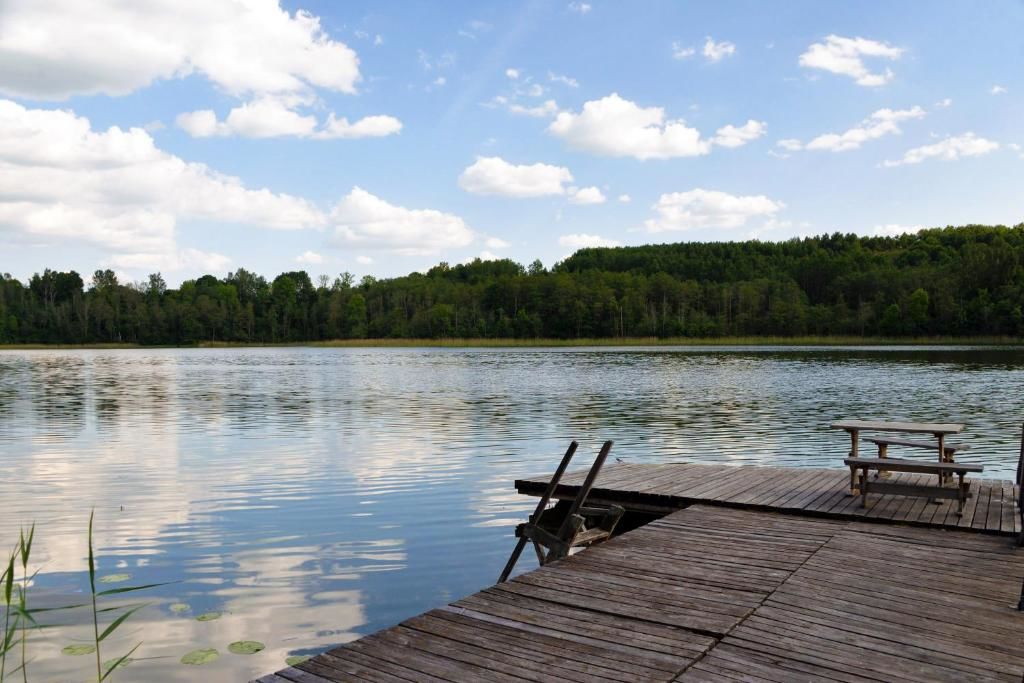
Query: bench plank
point(912, 465)
point(910, 427)
point(933, 445)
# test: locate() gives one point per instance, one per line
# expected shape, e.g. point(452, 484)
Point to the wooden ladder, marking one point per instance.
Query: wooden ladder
point(581, 526)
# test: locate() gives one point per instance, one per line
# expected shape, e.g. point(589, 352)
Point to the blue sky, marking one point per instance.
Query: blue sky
point(381, 138)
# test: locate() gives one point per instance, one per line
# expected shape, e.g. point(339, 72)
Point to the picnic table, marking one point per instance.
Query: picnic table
point(944, 468)
point(940, 430)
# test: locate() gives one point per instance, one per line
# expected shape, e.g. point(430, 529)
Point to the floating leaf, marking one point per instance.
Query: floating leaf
point(116, 663)
point(297, 659)
point(198, 657)
point(115, 578)
point(208, 616)
point(179, 607)
point(78, 650)
point(245, 647)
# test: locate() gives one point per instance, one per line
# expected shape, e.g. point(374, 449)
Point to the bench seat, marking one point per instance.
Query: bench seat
point(950, 448)
point(920, 466)
point(960, 492)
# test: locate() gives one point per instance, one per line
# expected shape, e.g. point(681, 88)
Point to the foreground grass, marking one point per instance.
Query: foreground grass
point(540, 343)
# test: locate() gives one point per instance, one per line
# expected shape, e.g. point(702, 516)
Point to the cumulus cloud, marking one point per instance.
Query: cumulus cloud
point(731, 136)
point(699, 208)
point(48, 48)
point(790, 144)
point(613, 126)
point(997, 90)
point(310, 257)
point(586, 195)
point(944, 103)
point(580, 7)
point(625, 199)
point(949, 149)
point(269, 117)
point(583, 241)
point(496, 243)
point(495, 176)
point(364, 220)
point(364, 260)
point(680, 51)
point(845, 56)
point(895, 230)
point(564, 80)
point(114, 189)
point(48, 51)
point(716, 52)
point(541, 111)
point(181, 259)
point(881, 123)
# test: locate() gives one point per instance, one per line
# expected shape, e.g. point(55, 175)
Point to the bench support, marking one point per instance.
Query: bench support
point(960, 493)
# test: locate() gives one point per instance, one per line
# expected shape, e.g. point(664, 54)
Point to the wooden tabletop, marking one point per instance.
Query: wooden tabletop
point(911, 427)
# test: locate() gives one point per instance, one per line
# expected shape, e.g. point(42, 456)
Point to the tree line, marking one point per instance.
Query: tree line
point(946, 281)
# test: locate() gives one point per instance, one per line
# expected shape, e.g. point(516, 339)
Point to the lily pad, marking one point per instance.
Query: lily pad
point(297, 659)
point(78, 650)
point(208, 616)
point(245, 647)
point(179, 607)
point(115, 578)
point(199, 657)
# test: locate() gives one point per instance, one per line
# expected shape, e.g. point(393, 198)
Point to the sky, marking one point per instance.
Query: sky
point(200, 136)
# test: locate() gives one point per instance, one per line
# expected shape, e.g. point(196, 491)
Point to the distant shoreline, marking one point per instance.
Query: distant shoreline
point(560, 343)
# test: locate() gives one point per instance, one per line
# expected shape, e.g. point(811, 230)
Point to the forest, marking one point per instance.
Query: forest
point(955, 281)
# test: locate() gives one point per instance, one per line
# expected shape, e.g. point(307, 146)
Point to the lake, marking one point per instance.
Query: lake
point(311, 495)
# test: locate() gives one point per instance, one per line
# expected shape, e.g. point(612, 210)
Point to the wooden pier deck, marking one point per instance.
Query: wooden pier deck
point(663, 488)
point(712, 594)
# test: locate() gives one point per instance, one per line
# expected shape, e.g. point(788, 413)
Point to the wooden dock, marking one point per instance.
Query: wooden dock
point(753, 574)
point(664, 488)
point(712, 594)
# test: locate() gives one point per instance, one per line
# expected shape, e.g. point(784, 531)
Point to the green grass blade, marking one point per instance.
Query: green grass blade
point(129, 589)
point(117, 622)
point(92, 559)
point(9, 580)
point(116, 664)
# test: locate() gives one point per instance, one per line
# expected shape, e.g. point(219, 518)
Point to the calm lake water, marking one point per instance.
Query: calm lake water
point(311, 496)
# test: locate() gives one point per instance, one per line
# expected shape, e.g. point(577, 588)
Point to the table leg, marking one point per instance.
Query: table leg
point(942, 456)
point(854, 436)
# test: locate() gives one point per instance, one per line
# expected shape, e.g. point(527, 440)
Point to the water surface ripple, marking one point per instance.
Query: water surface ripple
point(315, 495)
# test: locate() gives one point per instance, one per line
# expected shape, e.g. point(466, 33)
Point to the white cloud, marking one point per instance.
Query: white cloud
point(496, 243)
point(625, 199)
point(53, 49)
point(62, 181)
point(790, 144)
point(362, 219)
point(586, 195)
point(310, 257)
point(881, 123)
point(997, 90)
point(512, 73)
point(546, 109)
point(364, 260)
point(584, 241)
point(378, 40)
point(680, 51)
point(699, 208)
point(495, 176)
point(949, 149)
point(846, 56)
point(580, 7)
point(439, 81)
point(613, 126)
point(715, 52)
point(944, 103)
point(564, 80)
point(895, 230)
point(268, 117)
point(731, 136)
point(182, 259)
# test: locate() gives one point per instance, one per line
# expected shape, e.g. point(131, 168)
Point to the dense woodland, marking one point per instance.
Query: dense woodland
point(952, 281)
